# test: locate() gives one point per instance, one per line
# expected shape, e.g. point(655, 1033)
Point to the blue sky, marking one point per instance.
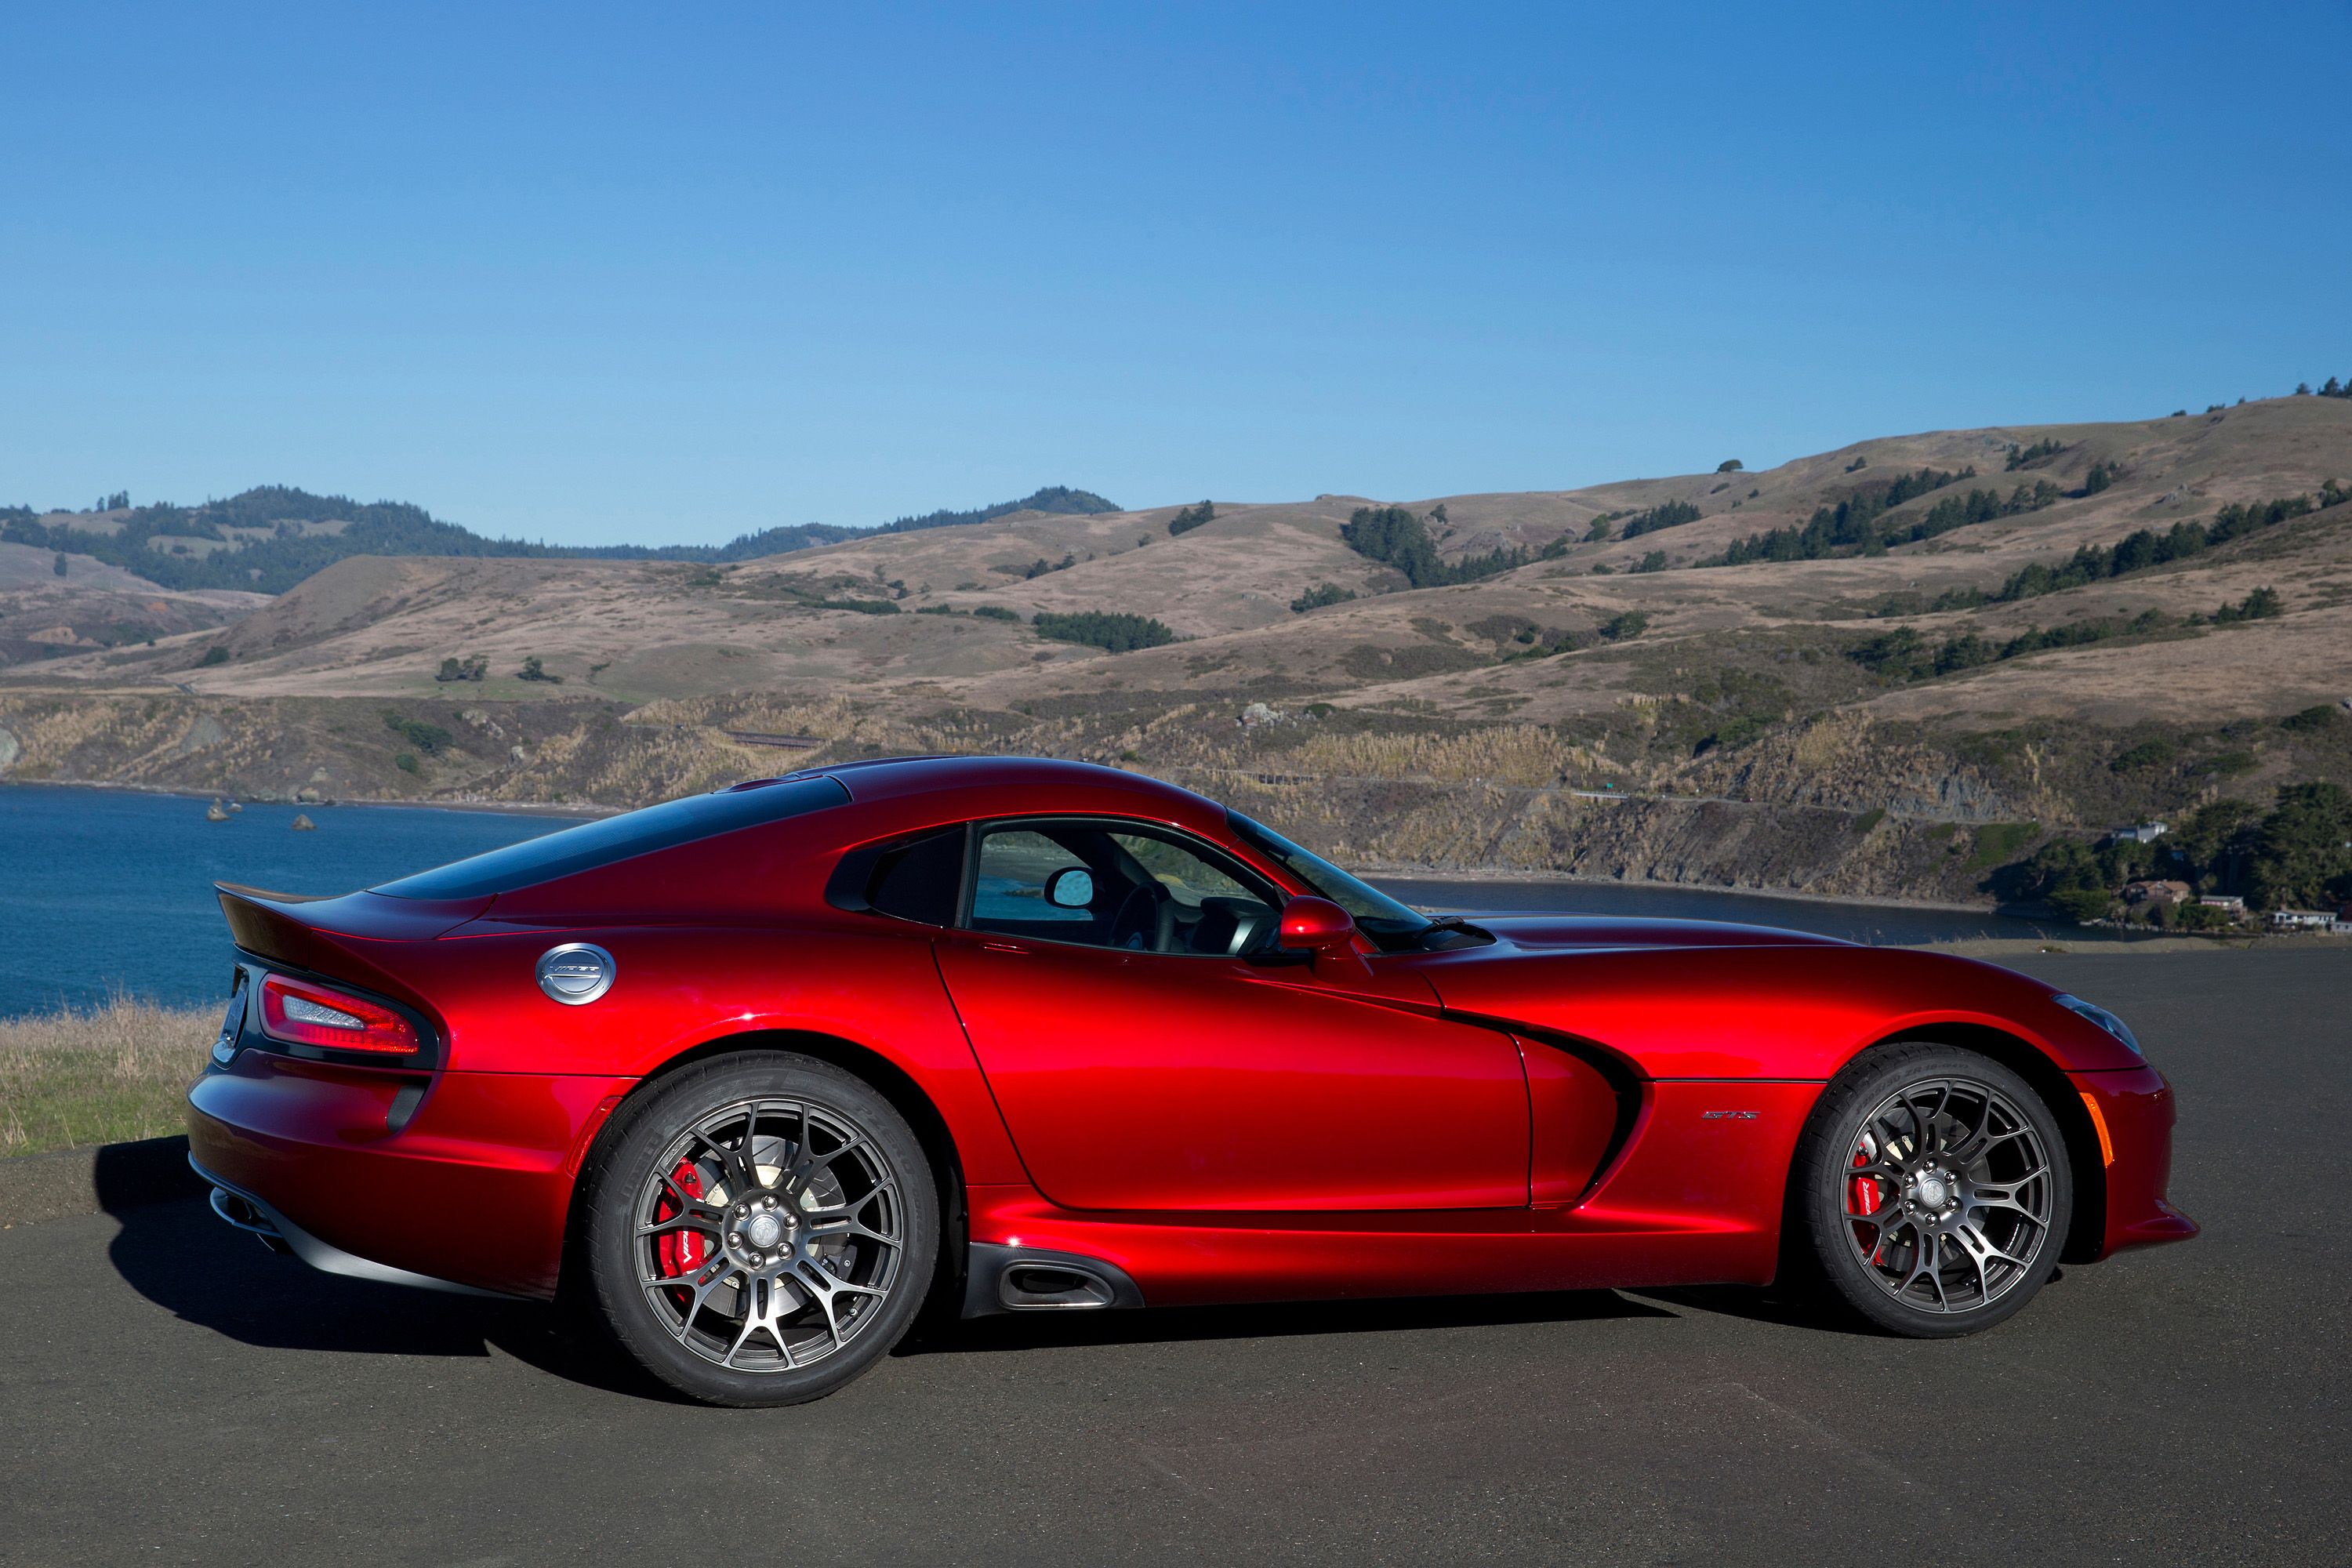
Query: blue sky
point(669, 274)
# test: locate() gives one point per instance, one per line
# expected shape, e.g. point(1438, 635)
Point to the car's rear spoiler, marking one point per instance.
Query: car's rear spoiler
point(302, 930)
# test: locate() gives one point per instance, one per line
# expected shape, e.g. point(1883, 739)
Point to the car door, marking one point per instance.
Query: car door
point(1152, 1051)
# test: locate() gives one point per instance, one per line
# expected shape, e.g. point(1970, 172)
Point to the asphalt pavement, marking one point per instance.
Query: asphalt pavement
point(169, 1393)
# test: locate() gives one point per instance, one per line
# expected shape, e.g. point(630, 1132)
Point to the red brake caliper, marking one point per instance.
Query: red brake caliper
point(1863, 1199)
point(681, 1251)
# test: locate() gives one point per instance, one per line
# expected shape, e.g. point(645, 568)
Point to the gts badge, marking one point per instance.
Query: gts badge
point(1726, 1116)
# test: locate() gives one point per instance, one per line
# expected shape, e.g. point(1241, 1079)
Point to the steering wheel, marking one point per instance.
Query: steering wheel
point(1146, 920)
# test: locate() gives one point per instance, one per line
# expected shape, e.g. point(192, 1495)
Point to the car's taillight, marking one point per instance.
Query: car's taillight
point(306, 1014)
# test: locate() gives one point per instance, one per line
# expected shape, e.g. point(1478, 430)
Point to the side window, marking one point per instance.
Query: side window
point(1008, 894)
point(1110, 886)
point(920, 880)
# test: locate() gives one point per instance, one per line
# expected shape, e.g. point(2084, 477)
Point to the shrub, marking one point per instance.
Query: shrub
point(213, 654)
point(1996, 842)
point(2146, 754)
point(1320, 595)
point(1113, 631)
point(995, 613)
point(1394, 537)
point(2315, 719)
point(430, 739)
point(2262, 605)
point(463, 669)
point(861, 607)
point(406, 762)
point(534, 670)
point(1191, 518)
point(1730, 466)
point(1624, 627)
point(1737, 732)
point(2080, 903)
point(1666, 514)
point(1656, 560)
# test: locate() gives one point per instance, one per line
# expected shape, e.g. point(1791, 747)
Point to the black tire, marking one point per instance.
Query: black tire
point(1964, 1173)
point(781, 1190)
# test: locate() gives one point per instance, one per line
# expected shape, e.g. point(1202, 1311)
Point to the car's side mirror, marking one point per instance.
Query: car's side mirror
point(1071, 888)
point(1318, 926)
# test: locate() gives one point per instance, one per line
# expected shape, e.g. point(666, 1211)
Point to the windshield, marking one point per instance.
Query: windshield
point(1377, 915)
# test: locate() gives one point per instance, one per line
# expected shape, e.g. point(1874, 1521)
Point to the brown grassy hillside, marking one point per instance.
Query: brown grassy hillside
point(1483, 722)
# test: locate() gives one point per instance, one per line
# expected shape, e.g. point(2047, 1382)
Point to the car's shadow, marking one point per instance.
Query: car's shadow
point(180, 1257)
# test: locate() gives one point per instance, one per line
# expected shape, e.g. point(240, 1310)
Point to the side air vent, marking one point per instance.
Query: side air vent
point(1024, 1280)
point(1028, 1287)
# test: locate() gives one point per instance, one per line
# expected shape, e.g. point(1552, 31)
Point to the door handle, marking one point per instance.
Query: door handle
point(1003, 947)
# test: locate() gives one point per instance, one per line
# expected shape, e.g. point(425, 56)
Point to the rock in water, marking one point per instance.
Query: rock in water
point(302, 824)
point(215, 813)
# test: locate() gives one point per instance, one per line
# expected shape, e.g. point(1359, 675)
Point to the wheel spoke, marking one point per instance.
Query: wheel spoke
point(1930, 1141)
point(702, 1295)
point(682, 1222)
point(1984, 1141)
point(1980, 1249)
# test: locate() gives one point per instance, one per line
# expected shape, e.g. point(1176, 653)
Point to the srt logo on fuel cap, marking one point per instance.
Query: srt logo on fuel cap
point(575, 973)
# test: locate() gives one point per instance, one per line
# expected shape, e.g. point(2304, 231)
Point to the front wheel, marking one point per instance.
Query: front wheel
point(762, 1231)
point(1935, 1188)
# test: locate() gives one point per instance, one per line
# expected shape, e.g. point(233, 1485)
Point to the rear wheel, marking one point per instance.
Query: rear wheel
point(762, 1231)
point(1935, 1188)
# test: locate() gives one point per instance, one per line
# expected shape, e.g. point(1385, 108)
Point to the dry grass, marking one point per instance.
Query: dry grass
point(100, 1076)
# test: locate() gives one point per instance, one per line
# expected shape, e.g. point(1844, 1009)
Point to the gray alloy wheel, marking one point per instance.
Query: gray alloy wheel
point(1936, 1190)
point(763, 1231)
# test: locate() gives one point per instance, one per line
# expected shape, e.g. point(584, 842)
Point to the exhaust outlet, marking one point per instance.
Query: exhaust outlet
point(1022, 1279)
point(1035, 1286)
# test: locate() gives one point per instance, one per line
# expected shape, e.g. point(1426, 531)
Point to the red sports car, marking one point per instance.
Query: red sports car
point(755, 1075)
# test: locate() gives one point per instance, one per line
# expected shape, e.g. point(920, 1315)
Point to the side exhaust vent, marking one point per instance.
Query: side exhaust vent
point(1030, 1287)
point(1025, 1279)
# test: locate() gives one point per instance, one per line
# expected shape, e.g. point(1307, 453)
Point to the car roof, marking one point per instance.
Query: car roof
point(905, 778)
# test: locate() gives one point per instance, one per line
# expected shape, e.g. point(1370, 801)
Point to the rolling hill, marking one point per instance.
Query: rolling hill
point(1899, 668)
point(269, 539)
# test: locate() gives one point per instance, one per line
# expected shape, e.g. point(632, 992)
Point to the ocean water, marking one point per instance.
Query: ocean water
point(104, 890)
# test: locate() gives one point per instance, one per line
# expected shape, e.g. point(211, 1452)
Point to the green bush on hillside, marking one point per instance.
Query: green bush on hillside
point(1191, 518)
point(1394, 537)
point(1114, 631)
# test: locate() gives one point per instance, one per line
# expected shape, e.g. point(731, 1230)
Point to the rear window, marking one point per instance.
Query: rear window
point(594, 844)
